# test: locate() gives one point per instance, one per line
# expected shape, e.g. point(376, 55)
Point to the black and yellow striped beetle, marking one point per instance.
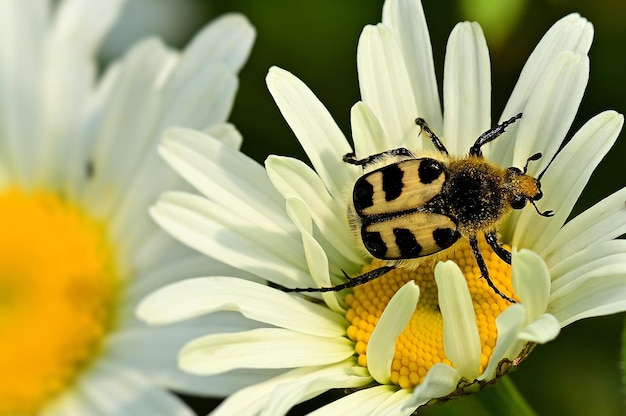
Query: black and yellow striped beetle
point(413, 207)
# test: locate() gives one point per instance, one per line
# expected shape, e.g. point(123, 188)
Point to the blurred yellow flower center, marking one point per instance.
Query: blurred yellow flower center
point(57, 284)
point(421, 344)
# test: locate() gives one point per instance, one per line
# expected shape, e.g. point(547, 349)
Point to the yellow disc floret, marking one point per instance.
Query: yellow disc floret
point(57, 285)
point(420, 346)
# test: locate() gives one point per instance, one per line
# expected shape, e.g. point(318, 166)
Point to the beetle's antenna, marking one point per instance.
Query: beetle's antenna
point(534, 157)
point(544, 170)
point(548, 213)
point(547, 166)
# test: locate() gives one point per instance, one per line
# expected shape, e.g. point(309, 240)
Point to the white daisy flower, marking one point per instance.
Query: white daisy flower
point(78, 171)
point(410, 336)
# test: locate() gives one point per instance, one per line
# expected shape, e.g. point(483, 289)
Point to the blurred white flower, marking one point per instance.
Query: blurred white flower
point(78, 170)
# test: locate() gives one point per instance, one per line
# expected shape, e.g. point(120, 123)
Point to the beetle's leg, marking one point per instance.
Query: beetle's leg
point(492, 240)
point(491, 134)
point(401, 151)
point(484, 271)
point(352, 282)
point(433, 137)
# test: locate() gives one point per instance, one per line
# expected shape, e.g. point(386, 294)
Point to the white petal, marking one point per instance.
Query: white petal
point(115, 160)
point(531, 282)
point(200, 88)
point(204, 226)
point(562, 189)
point(130, 229)
point(145, 187)
point(70, 72)
point(460, 333)
point(294, 179)
point(571, 33)
point(561, 86)
point(251, 400)
point(158, 253)
point(602, 270)
point(84, 23)
point(206, 164)
point(285, 395)
point(261, 348)
point(367, 133)
point(394, 319)
point(78, 174)
point(598, 295)
point(604, 254)
point(151, 179)
point(115, 390)
point(604, 221)
point(359, 403)
point(405, 18)
point(254, 399)
point(440, 381)
point(542, 129)
point(396, 405)
point(466, 88)
point(227, 39)
point(509, 324)
point(316, 258)
point(319, 135)
point(136, 348)
point(202, 95)
point(385, 85)
point(162, 268)
point(195, 297)
point(225, 133)
point(543, 329)
point(23, 31)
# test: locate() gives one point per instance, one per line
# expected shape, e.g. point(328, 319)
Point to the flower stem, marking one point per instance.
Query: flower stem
point(500, 399)
point(505, 398)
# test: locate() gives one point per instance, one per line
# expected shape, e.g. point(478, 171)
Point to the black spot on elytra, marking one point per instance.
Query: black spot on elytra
point(429, 170)
point(362, 195)
point(445, 237)
point(406, 242)
point(374, 243)
point(392, 182)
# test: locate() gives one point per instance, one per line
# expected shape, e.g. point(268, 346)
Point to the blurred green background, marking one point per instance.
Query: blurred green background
point(578, 374)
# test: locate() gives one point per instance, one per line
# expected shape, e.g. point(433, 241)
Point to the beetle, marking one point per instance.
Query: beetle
point(408, 208)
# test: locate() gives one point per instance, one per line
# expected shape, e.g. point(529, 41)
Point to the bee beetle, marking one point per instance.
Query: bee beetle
point(414, 207)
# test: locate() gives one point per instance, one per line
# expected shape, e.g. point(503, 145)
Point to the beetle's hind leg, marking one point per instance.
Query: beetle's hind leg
point(492, 239)
point(484, 271)
point(352, 282)
point(401, 151)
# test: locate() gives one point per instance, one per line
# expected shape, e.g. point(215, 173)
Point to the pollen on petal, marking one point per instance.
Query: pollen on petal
point(420, 346)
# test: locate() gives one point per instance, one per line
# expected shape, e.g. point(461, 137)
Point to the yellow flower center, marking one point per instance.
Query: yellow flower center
point(57, 284)
point(420, 346)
